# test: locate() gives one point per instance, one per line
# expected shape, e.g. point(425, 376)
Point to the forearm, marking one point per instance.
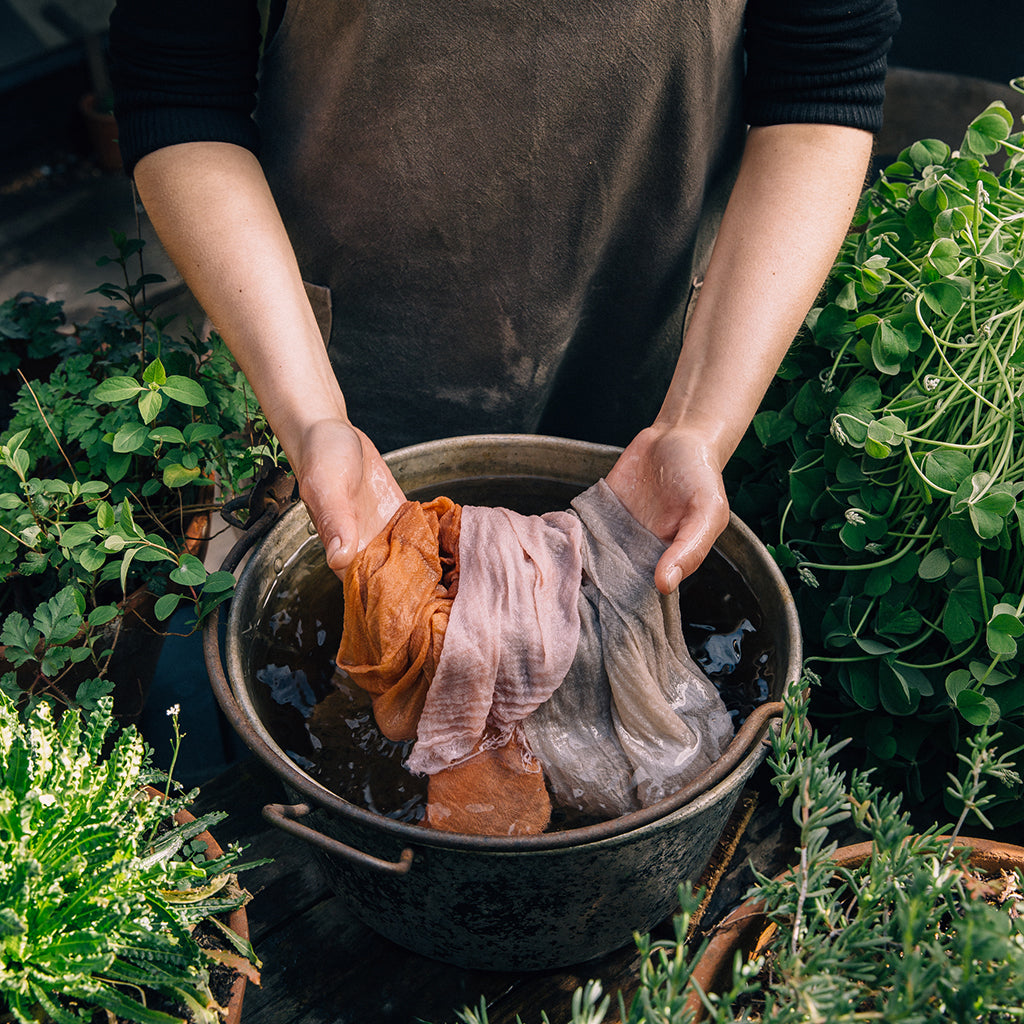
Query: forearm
point(212, 209)
point(789, 211)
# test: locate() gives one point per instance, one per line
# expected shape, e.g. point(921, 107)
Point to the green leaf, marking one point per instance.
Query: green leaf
point(889, 347)
point(861, 682)
point(960, 537)
point(927, 152)
point(194, 433)
point(1003, 629)
point(118, 465)
point(19, 637)
point(154, 374)
point(190, 571)
point(185, 390)
point(130, 438)
point(89, 693)
point(896, 694)
point(117, 389)
point(946, 468)
point(126, 562)
point(957, 621)
point(150, 403)
point(102, 614)
point(976, 708)
point(957, 680)
point(60, 618)
point(91, 559)
point(218, 582)
point(944, 255)
point(173, 434)
point(943, 298)
point(177, 475)
point(986, 132)
point(862, 393)
point(934, 566)
point(165, 605)
point(77, 533)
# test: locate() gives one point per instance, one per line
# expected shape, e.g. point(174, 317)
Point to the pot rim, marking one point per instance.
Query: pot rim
point(744, 753)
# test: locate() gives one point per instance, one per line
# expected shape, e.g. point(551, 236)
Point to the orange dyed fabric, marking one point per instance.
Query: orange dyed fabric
point(398, 597)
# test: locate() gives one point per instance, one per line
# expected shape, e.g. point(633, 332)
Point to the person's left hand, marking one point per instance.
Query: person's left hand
point(671, 482)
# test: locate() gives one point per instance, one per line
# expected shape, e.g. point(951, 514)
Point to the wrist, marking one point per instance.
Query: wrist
point(702, 434)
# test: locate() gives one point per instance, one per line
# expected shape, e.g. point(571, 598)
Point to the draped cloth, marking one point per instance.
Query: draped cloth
point(517, 648)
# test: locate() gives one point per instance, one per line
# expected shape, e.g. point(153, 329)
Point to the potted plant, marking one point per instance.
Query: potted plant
point(107, 470)
point(113, 897)
point(908, 926)
point(905, 925)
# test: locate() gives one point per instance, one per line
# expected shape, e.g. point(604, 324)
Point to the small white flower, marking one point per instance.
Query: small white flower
point(173, 711)
point(838, 433)
point(875, 549)
point(931, 382)
point(854, 517)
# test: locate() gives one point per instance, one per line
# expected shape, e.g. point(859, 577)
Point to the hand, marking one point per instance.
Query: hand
point(347, 487)
point(671, 483)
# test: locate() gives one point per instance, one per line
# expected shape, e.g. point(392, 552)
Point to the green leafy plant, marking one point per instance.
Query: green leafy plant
point(911, 933)
point(101, 890)
point(104, 466)
point(893, 434)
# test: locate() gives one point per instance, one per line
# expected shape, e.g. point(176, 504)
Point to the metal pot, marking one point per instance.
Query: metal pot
point(503, 903)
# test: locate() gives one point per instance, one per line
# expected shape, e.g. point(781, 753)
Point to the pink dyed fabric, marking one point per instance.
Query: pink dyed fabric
point(512, 633)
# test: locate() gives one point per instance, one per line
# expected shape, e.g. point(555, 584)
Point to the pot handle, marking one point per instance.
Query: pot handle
point(284, 816)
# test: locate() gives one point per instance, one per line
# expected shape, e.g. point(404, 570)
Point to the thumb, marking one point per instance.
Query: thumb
point(340, 536)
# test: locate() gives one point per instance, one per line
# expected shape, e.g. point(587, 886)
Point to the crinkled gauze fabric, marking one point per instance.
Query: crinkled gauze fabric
point(543, 646)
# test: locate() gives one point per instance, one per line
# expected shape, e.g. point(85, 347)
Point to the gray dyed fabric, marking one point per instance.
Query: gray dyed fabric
point(635, 718)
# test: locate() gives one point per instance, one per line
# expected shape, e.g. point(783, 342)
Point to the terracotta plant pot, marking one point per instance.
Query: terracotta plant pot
point(741, 930)
point(102, 131)
point(238, 920)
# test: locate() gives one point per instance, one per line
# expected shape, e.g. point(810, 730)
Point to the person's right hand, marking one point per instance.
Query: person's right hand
point(347, 488)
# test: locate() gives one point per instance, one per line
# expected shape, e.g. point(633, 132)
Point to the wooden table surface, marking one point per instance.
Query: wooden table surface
point(322, 966)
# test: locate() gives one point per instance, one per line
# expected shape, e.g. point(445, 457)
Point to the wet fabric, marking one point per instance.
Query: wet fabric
point(511, 637)
point(635, 718)
point(541, 651)
point(399, 594)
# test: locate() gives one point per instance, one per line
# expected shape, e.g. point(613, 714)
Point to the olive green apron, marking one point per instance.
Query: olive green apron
point(500, 208)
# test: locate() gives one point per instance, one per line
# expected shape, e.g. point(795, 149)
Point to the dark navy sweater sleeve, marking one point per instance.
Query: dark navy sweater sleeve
point(184, 71)
point(817, 61)
point(187, 71)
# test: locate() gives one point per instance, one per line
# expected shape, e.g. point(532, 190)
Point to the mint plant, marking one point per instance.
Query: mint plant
point(100, 890)
point(103, 466)
point(893, 434)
